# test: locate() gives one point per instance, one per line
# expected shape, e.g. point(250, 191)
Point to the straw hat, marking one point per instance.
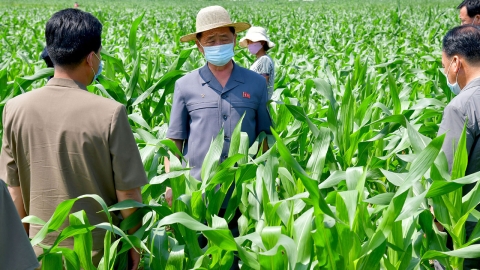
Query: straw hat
point(255, 34)
point(214, 17)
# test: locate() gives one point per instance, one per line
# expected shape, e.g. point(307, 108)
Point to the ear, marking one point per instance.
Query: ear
point(199, 46)
point(234, 39)
point(456, 64)
point(476, 18)
point(89, 59)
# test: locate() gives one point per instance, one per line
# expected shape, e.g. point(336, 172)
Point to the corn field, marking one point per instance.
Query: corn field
point(354, 163)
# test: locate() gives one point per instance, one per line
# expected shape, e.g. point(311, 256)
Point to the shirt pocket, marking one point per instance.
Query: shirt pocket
point(201, 111)
point(250, 111)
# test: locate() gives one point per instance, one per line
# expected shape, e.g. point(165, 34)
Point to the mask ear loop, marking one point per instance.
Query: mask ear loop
point(448, 70)
point(93, 79)
point(456, 79)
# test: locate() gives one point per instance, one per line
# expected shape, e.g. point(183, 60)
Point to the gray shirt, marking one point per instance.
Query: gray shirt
point(462, 108)
point(16, 252)
point(201, 107)
point(264, 66)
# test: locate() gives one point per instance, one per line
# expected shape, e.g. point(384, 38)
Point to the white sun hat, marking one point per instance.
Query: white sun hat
point(254, 34)
point(214, 17)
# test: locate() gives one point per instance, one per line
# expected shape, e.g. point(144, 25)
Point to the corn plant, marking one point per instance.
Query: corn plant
point(354, 161)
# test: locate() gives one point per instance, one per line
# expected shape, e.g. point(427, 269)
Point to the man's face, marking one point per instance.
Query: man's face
point(215, 37)
point(465, 19)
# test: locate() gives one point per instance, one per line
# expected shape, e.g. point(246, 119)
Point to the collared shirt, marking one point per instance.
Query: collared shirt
point(201, 107)
point(60, 142)
point(465, 107)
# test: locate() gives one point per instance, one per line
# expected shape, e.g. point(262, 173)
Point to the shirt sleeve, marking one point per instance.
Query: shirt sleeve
point(127, 164)
point(262, 66)
point(264, 121)
point(8, 166)
point(178, 127)
point(452, 125)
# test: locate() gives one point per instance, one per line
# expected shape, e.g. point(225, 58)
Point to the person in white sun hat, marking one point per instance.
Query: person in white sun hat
point(258, 44)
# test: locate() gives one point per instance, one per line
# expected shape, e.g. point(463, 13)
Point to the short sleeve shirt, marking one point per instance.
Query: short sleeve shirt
point(464, 108)
point(60, 142)
point(201, 107)
point(264, 66)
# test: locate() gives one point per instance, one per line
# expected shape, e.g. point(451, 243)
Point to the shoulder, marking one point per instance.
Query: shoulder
point(77, 98)
point(250, 76)
point(266, 59)
point(189, 77)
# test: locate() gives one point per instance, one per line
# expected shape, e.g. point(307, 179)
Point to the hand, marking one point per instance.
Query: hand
point(134, 259)
point(169, 196)
point(439, 226)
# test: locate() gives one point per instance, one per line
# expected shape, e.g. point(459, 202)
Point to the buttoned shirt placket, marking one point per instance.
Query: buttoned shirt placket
point(224, 108)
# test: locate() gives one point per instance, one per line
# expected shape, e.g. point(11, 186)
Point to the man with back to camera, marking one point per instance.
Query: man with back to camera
point(61, 141)
point(469, 12)
point(461, 63)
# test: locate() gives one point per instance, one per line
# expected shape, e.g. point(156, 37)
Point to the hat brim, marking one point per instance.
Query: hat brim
point(239, 27)
point(243, 42)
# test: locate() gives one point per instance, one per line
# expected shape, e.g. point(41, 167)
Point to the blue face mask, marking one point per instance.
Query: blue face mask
point(218, 55)
point(100, 68)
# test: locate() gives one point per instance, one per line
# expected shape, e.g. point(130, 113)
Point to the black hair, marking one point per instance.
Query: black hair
point(71, 35)
point(473, 7)
point(463, 40)
point(46, 58)
point(232, 29)
point(265, 46)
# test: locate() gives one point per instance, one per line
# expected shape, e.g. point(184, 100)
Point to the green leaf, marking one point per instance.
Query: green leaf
point(132, 38)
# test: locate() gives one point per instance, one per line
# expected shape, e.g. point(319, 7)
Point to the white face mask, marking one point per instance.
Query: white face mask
point(455, 88)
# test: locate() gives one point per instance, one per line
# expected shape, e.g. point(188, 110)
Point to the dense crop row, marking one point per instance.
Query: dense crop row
point(354, 162)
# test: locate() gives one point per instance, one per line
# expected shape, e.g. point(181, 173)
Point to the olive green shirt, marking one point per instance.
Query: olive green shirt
point(60, 142)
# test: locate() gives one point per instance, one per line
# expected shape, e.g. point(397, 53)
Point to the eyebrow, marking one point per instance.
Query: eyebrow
point(220, 35)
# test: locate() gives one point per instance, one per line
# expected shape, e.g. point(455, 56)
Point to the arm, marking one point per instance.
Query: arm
point(133, 194)
point(179, 145)
point(452, 124)
point(177, 130)
point(129, 174)
point(264, 120)
point(9, 169)
point(17, 198)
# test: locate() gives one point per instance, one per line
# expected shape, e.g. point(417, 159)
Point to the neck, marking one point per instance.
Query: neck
point(470, 76)
point(223, 69)
point(222, 74)
point(261, 53)
point(73, 74)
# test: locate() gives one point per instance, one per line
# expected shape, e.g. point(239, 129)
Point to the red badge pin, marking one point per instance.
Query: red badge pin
point(246, 95)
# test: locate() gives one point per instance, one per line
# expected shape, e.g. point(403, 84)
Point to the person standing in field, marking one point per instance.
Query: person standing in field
point(469, 12)
point(61, 141)
point(461, 62)
point(258, 44)
point(16, 252)
point(217, 94)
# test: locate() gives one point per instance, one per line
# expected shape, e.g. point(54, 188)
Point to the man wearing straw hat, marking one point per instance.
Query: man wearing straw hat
point(216, 95)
